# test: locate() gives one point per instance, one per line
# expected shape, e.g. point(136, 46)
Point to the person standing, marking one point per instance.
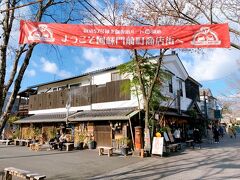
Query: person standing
point(221, 132)
point(62, 139)
point(177, 135)
point(197, 137)
point(230, 131)
point(234, 132)
point(216, 135)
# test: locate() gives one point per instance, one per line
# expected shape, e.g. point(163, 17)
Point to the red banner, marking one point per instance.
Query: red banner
point(126, 37)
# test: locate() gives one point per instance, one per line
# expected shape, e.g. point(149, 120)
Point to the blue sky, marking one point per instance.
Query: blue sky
point(212, 68)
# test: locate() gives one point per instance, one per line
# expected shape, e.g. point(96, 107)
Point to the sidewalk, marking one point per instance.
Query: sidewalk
point(213, 161)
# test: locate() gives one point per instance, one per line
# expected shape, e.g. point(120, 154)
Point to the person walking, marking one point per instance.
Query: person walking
point(230, 131)
point(197, 137)
point(234, 132)
point(221, 131)
point(216, 134)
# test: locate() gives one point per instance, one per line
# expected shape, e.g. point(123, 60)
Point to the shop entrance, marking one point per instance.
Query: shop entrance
point(103, 135)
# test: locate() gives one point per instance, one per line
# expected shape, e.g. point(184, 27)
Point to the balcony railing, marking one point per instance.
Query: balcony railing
point(84, 95)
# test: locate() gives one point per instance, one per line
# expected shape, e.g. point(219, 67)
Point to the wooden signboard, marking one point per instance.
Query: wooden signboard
point(157, 146)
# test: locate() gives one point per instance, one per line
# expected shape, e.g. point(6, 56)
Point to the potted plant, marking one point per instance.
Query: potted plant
point(124, 145)
point(91, 142)
point(79, 139)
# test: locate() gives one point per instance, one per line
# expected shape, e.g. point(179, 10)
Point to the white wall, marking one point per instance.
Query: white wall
point(102, 78)
point(171, 63)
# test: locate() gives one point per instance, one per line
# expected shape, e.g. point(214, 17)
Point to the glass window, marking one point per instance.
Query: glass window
point(115, 76)
point(62, 88)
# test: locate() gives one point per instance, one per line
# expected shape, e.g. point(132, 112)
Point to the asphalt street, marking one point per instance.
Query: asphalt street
point(213, 161)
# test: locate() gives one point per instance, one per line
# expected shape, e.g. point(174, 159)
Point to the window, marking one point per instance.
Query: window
point(101, 85)
point(170, 85)
point(61, 88)
point(115, 76)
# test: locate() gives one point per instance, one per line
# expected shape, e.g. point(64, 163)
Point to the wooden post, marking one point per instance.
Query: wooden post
point(130, 124)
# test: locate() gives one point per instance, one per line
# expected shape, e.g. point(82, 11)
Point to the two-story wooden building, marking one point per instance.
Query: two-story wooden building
point(94, 103)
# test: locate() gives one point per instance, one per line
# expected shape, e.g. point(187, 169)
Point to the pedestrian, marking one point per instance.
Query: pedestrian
point(230, 131)
point(234, 132)
point(177, 135)
point(216, 134)
point(221, 132)
point(62, 140)
point(197, 137)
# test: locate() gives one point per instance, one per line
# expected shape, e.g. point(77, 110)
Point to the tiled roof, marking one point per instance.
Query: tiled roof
point(39, 118)
point(89, 115)
point(104, 114)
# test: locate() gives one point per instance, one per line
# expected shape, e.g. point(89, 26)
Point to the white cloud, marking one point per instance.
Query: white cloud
point(48, 66)
point(102, 58)
point(64, 74)
point(31, 73)
point(52, 68)
point(212, 64)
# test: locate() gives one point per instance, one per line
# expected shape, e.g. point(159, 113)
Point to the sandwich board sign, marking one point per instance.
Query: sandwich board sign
point(157, 146)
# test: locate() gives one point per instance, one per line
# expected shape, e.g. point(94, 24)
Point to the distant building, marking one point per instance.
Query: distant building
point(209, 105)
point(15, 106)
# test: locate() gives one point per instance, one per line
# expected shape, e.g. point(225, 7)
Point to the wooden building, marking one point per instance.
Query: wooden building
point(95, 104)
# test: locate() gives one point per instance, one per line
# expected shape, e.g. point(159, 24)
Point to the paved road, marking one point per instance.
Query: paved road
point(213, 161)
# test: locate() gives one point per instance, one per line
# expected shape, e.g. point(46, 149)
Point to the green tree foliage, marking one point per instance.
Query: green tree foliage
point(148, 68)
point(12, 119)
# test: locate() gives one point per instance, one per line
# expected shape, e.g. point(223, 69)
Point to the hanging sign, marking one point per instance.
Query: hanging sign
point(126, 37)
point(157, 146)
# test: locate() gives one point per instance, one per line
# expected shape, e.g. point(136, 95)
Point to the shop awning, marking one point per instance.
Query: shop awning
point(104, 114)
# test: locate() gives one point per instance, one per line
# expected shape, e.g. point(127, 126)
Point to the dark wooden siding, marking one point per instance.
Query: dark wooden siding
point(192, 90)
point(103, 135)
point(82, 96)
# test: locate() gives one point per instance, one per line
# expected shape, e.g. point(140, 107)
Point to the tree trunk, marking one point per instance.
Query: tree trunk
point(17, 86)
